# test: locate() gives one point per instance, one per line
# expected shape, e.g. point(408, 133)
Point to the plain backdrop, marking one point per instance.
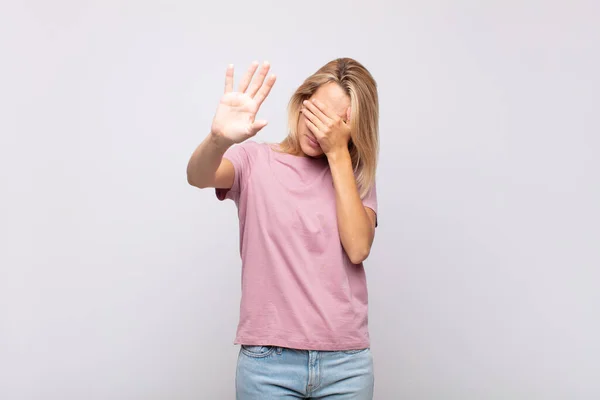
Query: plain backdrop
point(118, 281)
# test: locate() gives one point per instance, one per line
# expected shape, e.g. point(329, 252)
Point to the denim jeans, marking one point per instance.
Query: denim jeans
point(268, 372)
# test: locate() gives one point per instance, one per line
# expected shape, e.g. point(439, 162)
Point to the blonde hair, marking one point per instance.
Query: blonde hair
point(360, 86)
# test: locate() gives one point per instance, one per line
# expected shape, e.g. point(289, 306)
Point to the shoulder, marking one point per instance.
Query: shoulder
point(246, 152)
point(253, 148)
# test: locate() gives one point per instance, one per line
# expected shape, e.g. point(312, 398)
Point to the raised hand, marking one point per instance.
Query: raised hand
point(235, 119)
point(332, 131)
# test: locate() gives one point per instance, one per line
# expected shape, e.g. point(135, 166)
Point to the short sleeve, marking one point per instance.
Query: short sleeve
point(370, 200)
point(241, 156)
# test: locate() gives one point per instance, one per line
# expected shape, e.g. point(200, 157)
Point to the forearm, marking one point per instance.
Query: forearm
point(355, 227)
point(205, 161)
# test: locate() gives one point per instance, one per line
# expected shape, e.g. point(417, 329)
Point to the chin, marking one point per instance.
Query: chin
point(309, 149)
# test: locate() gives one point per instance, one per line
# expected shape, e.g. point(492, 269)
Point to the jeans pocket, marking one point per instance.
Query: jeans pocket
point(257, 351)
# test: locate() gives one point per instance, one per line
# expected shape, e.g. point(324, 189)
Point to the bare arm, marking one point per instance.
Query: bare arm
point(356, 223)
point(207, 167)
point(233, 123)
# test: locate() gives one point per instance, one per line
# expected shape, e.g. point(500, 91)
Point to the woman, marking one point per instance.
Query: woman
point(307, 209)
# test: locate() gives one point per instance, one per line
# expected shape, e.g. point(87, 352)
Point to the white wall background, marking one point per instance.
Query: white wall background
point(120, 281)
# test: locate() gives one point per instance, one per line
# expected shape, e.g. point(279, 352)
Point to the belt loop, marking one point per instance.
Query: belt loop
point(279, 350)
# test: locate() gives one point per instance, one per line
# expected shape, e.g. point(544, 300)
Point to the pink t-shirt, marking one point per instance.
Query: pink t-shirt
point(299, 288)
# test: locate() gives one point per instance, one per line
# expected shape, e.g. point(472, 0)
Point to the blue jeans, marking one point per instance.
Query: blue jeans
point(268, 372)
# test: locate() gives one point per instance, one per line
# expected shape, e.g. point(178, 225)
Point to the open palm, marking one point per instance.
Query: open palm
point(235, 119)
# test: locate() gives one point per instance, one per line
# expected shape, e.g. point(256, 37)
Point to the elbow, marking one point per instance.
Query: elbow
point(193, 181)
point(190, 180)
point(359, 255)
point(199, 185)
point(190, 177)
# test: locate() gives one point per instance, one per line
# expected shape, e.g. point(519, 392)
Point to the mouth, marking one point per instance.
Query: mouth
point(313, 142)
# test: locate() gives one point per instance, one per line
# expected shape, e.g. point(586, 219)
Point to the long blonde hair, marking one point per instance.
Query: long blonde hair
point(360, 86)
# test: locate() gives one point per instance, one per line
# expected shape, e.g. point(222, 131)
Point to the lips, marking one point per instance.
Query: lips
point(312, 142)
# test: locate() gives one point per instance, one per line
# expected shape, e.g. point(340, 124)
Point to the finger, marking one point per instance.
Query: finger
point(248, 77)
point(265, 90)
point(313, 128)
point(257, 126)
point(312, 106)
point(260, 78)
point(325, 110)
point(229, 79)
point(312, 118)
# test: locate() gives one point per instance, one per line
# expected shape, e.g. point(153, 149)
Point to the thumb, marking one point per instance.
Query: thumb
point(258, 125)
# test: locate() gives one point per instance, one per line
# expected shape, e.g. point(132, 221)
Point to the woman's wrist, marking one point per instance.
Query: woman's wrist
point(219, 142)
point(339, 156)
